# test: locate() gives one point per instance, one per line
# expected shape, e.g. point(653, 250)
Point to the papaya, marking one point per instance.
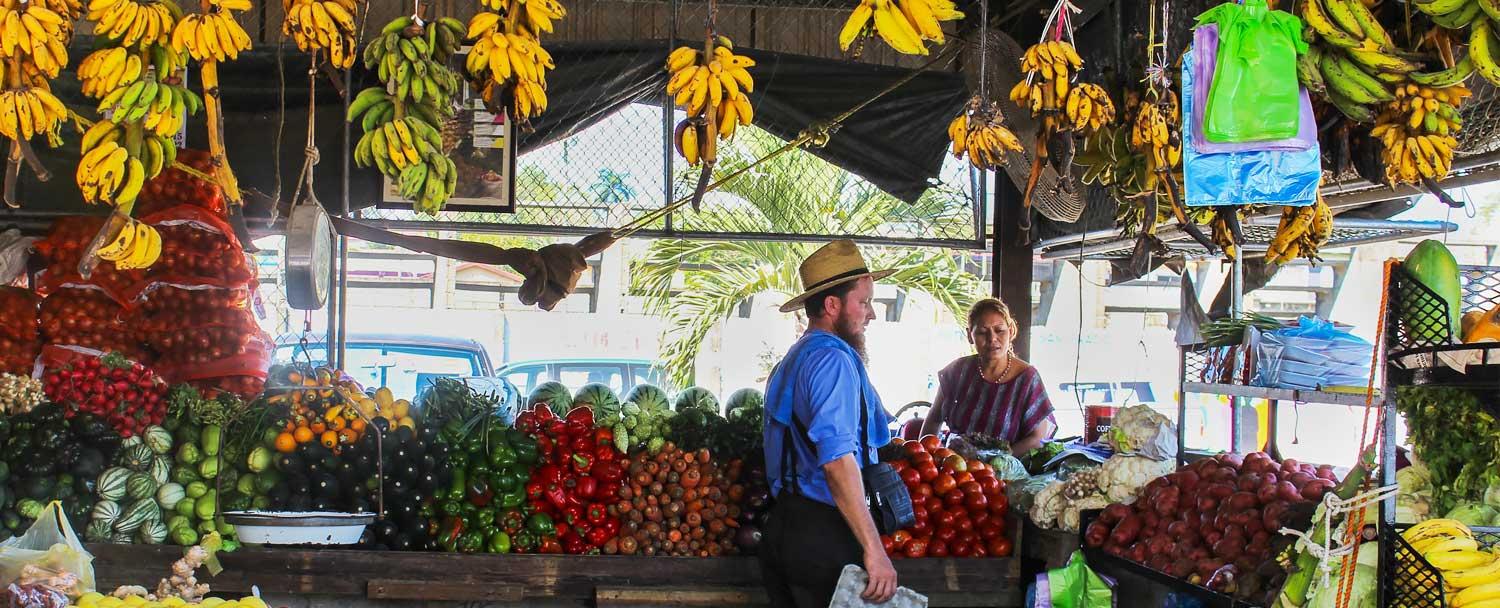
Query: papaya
point(1431, 264)
point(1479, 326)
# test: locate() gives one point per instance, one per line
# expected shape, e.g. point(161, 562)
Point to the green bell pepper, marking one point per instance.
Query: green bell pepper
point(451, 508)
point(501, 456)
point(471, 542)
point(540, 524)
point(526, 451)
point(525, 542)
point(513, 498)
point(499, 542)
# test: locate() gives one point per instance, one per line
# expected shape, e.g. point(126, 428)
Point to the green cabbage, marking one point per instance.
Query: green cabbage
point(1008, 468)
point(1473, 514)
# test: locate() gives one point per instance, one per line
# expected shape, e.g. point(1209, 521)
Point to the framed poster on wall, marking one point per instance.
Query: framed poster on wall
point(483, 148)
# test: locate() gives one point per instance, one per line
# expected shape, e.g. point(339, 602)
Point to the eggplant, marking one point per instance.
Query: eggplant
point(748, 538)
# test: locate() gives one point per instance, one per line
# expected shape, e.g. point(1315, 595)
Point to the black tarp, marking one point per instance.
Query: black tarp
point(897, 143)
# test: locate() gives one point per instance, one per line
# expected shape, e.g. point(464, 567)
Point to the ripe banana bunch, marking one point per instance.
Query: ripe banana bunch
point(134, 23)
point(1416, 132)
point(212, 36)
point(35, 33)
point(535, 15)
point(508, 57)
point(1301, 232)
point(903, 24)
point(410, 59)
point(980, 132)
point(162, 107)
point(1088, 108)
point(1049, 68)
point(323, 25)
point(1223, 235)
point(1471, 575)
point(137, 246)
point(722, 82)
point(1354, 59)
point(29, 111)
point(110, 172)
point(1155, 133)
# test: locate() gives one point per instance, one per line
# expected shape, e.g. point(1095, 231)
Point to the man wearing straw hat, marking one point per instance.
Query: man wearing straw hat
point(817, 400)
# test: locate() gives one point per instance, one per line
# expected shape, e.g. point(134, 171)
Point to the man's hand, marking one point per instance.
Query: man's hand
point(882, 585)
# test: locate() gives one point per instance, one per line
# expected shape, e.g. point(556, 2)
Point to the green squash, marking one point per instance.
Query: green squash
point(1432, 265)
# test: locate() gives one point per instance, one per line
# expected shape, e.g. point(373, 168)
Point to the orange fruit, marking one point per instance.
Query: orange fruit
point(329, 439)
point(337, 424)
point(318, 427)
point(347, 436)
point(358, 425)
point(285, 442)
point(302, 434)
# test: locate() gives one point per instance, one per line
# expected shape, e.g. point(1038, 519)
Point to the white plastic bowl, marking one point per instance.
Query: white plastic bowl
point(298, 528)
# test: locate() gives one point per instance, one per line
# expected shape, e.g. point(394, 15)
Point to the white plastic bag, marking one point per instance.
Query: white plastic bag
point(49, 544)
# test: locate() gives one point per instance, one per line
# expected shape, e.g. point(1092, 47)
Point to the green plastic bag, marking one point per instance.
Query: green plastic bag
point(1077, 586)
point(1254, 95)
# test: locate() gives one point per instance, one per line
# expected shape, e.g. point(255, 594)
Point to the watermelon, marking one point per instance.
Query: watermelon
point(138, 457)
point(111, 484)
point(696, 398)
point(554, 395)
point(599, 398)
point(649, 397)
point(130, 442)
point(98, 532)
point(158, 439)
point(140, 486)
point(136, 515)
point(106, 511)
point(1432, 265)
point(745, 397)
point(161, 469)
point(121, 538)
point(152, 533)
point(168, 496)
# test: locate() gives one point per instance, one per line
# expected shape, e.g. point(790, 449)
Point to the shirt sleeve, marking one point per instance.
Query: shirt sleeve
point(1038, 404)
point(831, 383)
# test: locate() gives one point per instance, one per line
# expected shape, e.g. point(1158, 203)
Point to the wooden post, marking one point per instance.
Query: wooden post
point(1013, 255)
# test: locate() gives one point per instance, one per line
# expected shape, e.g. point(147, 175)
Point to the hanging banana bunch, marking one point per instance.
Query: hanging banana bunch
point(33, 47)
point(137, 245)
point(905, 25)
point(210, 37)
point(507, 62)
point(980, 133)
point(323, 25)
point(1301, 232)
point(1416, 131)
point(698, 85)
point(403, 120)
point(137, 80)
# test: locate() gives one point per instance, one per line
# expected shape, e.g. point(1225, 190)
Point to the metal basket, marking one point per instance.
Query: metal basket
point(1418, 318)
point(1406, 579)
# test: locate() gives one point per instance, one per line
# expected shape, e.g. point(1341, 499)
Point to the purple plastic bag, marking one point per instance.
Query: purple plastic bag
point(1206, 54)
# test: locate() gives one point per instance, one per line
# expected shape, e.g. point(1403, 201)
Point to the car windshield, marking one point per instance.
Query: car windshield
point(403, 369)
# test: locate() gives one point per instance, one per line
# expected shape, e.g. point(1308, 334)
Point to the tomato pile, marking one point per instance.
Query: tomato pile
point(62, 249)
point(174, 301)
point(19, 344)
point(680, 503)
point(960, 506)
point(200, 337)
point(173, 187)
point(124, 393)
point(88, 317)
point(195, 250)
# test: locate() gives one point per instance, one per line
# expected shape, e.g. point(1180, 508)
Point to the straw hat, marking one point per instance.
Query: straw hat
point(833, 264)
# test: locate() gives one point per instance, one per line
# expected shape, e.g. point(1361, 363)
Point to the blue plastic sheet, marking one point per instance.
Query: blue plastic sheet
point(1263, 177)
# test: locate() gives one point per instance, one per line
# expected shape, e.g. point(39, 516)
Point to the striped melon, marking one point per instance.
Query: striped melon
point(121, 538)
point(136, 515)
point(97, 532)
point(598, 398)
point(649, 397)
point(152, 533)
point(158, 439)
point(138, 457)
point(554, 395)
point(105, 511)
point(130, 442)
point(111, 484)
point(169, 495)
point(161, 469)
point(696, 398)
point(140, 486)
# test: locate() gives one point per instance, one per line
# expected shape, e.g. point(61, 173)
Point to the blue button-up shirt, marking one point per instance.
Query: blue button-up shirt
point(820, 381)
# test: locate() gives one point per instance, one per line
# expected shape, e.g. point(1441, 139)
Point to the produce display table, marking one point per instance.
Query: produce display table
point(1051, 548)
point(309, 578)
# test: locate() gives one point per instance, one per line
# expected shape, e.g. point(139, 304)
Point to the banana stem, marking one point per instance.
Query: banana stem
point(214, 111)
point(13, 160)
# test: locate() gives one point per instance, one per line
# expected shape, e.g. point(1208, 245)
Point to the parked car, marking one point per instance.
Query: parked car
point(618, 374)
point(404, 363)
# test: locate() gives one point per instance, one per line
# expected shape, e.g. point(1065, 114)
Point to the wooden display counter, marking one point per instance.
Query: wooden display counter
point(317, 578)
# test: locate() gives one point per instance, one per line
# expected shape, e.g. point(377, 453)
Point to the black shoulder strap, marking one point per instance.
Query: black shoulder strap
point(789, 453)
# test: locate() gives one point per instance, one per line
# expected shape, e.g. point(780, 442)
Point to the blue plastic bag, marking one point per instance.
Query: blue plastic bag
point(1263, 177)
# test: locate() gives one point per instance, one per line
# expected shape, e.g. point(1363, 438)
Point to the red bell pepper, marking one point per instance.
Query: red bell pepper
point(548, 473)
point(607, 470)
point(598, 536)
point(556, 496)
point(598, 513)
point(580, 416)
point(587, 488)
point(549, 545)
point(544, 447)
point(535, 491)
point(582, 462)
point(574, 514)
point(556, 429)
point(605, 453)
point(604, 436)
point(612, 524)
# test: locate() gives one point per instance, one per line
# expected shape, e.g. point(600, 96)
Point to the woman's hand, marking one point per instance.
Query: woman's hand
point(1034, 440)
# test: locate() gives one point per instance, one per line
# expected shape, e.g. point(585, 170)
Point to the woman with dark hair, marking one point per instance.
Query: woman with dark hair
point(992, 392)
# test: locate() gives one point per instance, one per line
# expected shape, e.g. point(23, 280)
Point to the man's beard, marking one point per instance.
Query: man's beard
point(849, 331)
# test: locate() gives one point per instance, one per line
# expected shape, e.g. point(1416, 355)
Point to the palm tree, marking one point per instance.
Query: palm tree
point(610, 188)
point(795, 193)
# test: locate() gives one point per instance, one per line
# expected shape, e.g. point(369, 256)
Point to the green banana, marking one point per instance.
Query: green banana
point(1370, 25)
point(1480, 43)
point(1440, 7)
point(1344, 76)
point(1381, 62)
point(396, 25)
point(1446, 78)
point(1308, 72)
point(362, 102)
point(417, 89)
point(380, 152)
point(1316, 17)
point(362, 151)
point(1490, 7)
point(1343, 15)
point(1459, 19)
point(1355, 111)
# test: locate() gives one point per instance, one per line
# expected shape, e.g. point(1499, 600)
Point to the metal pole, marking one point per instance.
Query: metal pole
point(667, 128)
point(343, 284)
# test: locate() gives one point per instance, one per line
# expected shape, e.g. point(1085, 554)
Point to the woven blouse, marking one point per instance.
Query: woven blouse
point(1006, 410)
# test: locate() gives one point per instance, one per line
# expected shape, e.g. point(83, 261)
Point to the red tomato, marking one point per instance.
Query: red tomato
point(916, 548)
point(955, 463)
point(969, 537)
point(937, 548)
point(920, 528)
point(963, 477)
point(888, 543)
point(941, 454)
point(990, 485)
point(911, 477)
point(922, 491)
point(975, 501)
point(953, 499)
point(943, 520)
point(999, 504)
point(932, 504)
point(931, 442)
point(976, 465)
point(946, 534)
point(913, 448)
point(979, 518)
point(963, 522)
point(900, 538)
point(927, 472)
point(920, 458)
point(989, 530)
point(979, 550)
point(962, 549)
point(899, 465)
point(943, 484)
point(972, 486)
point(999, 547)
